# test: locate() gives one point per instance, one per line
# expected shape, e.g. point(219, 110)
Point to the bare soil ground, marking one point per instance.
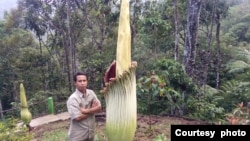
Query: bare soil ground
point(148, 127)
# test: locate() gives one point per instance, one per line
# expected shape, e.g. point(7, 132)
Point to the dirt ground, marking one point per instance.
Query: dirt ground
point(148, 127)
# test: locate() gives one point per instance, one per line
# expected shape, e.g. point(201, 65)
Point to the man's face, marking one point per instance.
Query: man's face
point(81, 83)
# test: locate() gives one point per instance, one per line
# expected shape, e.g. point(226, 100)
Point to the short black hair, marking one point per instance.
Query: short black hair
point(79, 73)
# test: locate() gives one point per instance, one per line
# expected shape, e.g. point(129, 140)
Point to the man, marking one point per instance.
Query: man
point(82, 106)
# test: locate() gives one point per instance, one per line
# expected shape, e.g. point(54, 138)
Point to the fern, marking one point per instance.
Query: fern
point(237, 66)
point(234, 92)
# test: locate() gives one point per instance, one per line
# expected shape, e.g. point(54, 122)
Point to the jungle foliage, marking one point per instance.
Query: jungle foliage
point(44, 42)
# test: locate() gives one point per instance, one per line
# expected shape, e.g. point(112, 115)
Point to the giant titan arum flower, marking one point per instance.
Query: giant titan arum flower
point(120, 85)
point(26, 116)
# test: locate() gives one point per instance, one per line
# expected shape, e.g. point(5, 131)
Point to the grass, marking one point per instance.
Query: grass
point(56, 135)
point(61, 135)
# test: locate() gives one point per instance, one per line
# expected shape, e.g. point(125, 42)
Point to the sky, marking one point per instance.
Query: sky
point(6, 5)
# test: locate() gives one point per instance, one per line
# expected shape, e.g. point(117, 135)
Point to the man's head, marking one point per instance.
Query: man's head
point(81, 81)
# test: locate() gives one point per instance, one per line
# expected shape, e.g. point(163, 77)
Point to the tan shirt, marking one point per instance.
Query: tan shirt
point(84, 129)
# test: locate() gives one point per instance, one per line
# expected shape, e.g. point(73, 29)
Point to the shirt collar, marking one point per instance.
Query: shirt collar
point(80, 93)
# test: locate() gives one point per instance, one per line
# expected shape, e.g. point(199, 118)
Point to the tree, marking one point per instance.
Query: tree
point(191, 35)
point(12, 42)
point(207, 55)
point(52, 20)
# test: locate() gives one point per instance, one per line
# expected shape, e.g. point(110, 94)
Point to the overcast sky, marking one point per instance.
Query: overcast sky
point(6, 5)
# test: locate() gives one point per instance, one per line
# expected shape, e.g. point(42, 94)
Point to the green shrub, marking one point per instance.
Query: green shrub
point(11, 131)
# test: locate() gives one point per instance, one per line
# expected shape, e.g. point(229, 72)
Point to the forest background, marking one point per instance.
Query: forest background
point(193, 55)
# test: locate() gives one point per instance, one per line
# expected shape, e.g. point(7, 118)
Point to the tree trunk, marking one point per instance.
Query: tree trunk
point(218, 49)
point(14, 91)
point(68, 62)
point(70, 45)
point(191, 36)
point(1, 109)
point(209, 51)
point(43, 72)
point(71, 39)
point(176, 50)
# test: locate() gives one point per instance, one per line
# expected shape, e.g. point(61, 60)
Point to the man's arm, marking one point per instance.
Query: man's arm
point(95, 108)
point(81, 117)
point(74, 110)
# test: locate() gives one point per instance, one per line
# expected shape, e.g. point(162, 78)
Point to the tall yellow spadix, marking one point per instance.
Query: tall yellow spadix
point(120, 85)
point(123, 52)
